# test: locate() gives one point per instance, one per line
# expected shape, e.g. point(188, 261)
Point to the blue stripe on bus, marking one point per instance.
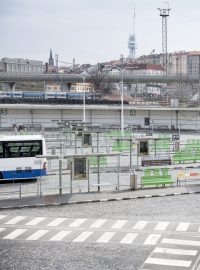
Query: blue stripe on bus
point(24, 174)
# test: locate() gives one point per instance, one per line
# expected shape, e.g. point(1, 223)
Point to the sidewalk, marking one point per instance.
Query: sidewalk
point(94, 197)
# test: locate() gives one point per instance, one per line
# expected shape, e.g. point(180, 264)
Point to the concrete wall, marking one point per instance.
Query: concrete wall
point(48, 115)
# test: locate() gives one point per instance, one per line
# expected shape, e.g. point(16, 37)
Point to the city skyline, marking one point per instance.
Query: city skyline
point(92, 31)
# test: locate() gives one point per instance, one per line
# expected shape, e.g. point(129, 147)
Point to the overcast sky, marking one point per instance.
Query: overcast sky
point(93, 31)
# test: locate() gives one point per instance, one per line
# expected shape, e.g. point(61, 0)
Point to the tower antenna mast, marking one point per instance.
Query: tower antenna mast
point(131, 40)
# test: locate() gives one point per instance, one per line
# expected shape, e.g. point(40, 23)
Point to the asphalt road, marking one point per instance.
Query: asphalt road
point(109, 235)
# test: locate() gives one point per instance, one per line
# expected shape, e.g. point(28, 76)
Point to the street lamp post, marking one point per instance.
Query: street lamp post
point(122, 103)
point(122, 97)
point(84, 114)
point(84, 117)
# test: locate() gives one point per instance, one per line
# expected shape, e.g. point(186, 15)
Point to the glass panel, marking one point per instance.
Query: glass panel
point(1, 150)
point(23, 149)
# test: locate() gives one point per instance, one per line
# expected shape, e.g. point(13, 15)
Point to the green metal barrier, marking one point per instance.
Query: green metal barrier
point(93, 161)
point(120, 146)
point(156, 177)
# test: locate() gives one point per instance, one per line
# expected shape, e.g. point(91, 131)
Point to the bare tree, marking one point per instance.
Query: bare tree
point(183, 92)
point(102, 82)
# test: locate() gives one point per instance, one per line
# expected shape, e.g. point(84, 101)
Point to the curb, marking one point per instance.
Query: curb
point(99, 200)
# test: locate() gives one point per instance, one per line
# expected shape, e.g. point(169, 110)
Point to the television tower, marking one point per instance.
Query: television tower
point(131, 40)
point(164, 13)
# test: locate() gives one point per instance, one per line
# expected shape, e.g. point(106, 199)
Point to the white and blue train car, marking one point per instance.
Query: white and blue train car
point(44, 94)
point(18, 157)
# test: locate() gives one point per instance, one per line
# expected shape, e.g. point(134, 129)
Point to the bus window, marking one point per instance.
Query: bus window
point(23, 149)
point(1, 150)
point(11, 150)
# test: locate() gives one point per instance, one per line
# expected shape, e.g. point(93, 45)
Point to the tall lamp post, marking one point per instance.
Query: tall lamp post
point(122, 97)
point(83, 78)
point(84, 117)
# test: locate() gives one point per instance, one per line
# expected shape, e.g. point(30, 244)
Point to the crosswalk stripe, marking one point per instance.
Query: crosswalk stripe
point(168, 262)
point(35, 221)
point(56, 222)
point(15, 220)
point(161, 226)
point(105, 238)
point(152, 239)
point(181, 242)
point(119, 224)
point(129, 238)
point(2, 216)
point(98, 223)
point(140, 225)
point(37, 235)
point(188, 252)
point(2, 229)
point(14, 234)
point(83, 236)
point(183, 226)
point(76, 223)
point(59, 236)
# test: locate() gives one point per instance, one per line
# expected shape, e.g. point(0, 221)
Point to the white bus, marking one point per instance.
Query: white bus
point(18, 156)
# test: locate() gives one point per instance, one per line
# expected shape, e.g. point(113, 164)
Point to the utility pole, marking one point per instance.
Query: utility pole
point(164, 13)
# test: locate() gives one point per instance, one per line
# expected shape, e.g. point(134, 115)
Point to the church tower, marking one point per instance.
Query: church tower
point(51, 60)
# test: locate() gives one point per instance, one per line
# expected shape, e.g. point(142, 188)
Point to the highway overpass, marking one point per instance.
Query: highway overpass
point(70, 78)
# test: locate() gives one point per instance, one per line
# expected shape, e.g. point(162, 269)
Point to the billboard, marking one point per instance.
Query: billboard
point(143, 148)
point(80, 168)
point(87, 139)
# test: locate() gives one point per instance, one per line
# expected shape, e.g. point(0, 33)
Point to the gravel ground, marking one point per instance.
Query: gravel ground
point(38, 255)
point(182, 207)
point(70, 256)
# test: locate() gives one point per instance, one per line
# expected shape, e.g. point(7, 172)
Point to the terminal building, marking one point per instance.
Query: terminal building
point(19, 65)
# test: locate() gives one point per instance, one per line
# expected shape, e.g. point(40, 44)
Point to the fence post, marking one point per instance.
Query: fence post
point(98, 178)
point(88, 176)
point(97, 142)
point(131, 152)
point(75, 143)
point(71, 178)
point(118, 157)
point(60, 176)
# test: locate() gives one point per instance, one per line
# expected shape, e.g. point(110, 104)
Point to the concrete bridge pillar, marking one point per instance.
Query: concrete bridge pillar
point(8, 86)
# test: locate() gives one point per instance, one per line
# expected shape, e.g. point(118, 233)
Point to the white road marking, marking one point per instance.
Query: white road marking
point(161, 226)
point(105, 238)
point(129, 238)
point(140, 225)
point(2, 216)
point(188, 252)
point(35, 221)
point(76, 223)
point(168, 262)
point(119, 224)
point(2, 229)
point(59, 236)
point(82, 237)
point(98, 223)
point(56, 222)
point(37, 235)
point(180, 242)
point(14, 234)
point(15, 220)
point(183, 226)
point(152, 239)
